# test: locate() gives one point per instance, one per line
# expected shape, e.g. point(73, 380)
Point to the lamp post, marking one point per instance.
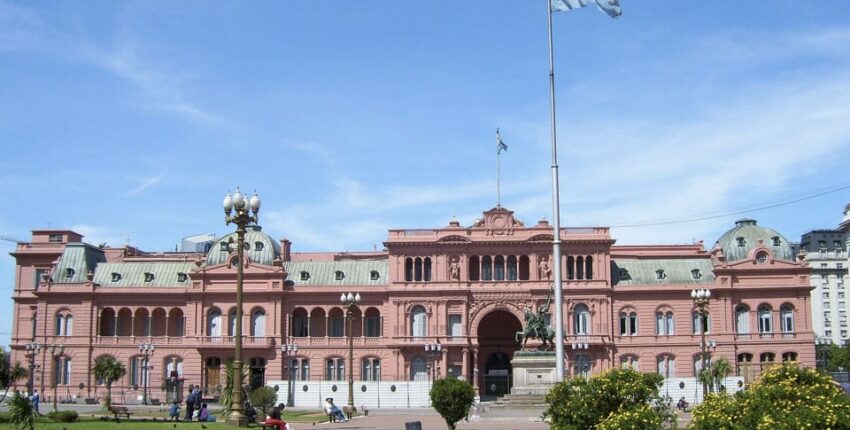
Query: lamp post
point(700, 297)
point(33, 348)
point(239, 210)
point(288, 350)
point(350, 301)
point(56, 351)
point(822, 350)
point(433, 350)
point(146, 349)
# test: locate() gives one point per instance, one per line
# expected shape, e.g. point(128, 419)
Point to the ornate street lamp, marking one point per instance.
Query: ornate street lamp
point(701, 297)
point(822, 350)
point(288, 351)
point(350, 301)
point(146, 349)
point(239, 210)
point(33, 348)
point(56, 351)
point(433, 350)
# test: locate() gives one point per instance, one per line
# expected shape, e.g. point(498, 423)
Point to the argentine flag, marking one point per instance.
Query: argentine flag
point(500, 146)
point(610, 7)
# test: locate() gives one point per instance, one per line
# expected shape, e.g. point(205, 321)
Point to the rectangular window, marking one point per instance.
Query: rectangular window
point(455, 326)
point(823, 265)
point(826, 294)
point(54, 238)
point(839, 265)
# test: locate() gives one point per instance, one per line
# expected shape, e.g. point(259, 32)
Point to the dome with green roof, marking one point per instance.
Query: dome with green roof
point(746, 235)
point(259, 247)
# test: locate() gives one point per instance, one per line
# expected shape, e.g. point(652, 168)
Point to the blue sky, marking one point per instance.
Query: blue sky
point(129, 121)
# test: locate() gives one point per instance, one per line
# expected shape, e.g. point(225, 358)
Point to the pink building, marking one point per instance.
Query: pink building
point(463, 287)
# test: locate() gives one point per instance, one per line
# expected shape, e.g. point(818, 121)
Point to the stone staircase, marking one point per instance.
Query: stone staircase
point(519, 401)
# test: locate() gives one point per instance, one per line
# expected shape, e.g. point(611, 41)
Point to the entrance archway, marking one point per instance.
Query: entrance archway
point(496, 346)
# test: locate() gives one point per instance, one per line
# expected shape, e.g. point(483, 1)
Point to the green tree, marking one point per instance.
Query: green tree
point(264, 398)
point(452, 399)
point(581, 403)
point(21, 412)
point(839, 358)
point(108, 369)
point(786, 397)
point(717, 373)
point(15, 372)
point(5, 368)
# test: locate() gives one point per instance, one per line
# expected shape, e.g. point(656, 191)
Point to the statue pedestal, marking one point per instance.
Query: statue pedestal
point(533, 372)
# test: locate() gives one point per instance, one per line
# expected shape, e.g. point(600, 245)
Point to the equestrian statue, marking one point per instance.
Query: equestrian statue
point(536, 327)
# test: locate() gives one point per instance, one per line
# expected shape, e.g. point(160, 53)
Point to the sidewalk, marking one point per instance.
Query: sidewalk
point(394, 419)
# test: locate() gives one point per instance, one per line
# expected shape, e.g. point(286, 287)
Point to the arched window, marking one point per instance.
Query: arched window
point(786, 316)
point(742, 319)
point(408, 269)
point(666, 366)
point(499, 268)
point(371, 369)
point(107, 323)
point(629, 361)
point(765, 323)
point(427, 269)
point(698, 364)
point(299, 323)
point(418, 322)
point(373, 322)
point(663, 323)
point(486, 268)
point(789, 356)
point(214, 323)
point(524, 267)
point(473, 268)
point(512, 268)
point(581, 320)
point(336, 323)
point(417, 269)
point(580, 267)
point(582, 365)
point(571, 267)
point(767, 359)
point(628, 323)
point(231, 323)
point(588, 267)
point(335, 369)
point(702, 321)
point(64, 324)
point(62, 370)
point(258, 322)
point(418, 369)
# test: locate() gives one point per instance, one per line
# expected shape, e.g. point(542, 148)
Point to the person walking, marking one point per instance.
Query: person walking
point(36, 399)
point(190, 405)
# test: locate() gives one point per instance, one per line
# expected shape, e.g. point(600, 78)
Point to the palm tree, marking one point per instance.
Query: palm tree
point(227, 393)
point(17, 371)
point(108, 369)
point(719, 371)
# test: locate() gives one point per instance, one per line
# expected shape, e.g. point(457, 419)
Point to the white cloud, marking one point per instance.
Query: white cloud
point(145, 184)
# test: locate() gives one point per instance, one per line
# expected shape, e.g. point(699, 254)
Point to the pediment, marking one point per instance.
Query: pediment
point(499, 221)
point(541, 238)
point(454, 238)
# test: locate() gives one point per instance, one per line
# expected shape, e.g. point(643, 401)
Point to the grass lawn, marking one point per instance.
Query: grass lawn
point(95, 423)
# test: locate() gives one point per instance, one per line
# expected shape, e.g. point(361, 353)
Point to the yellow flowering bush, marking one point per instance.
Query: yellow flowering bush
point(786, 397)
point(641, 417)
point(579, 403)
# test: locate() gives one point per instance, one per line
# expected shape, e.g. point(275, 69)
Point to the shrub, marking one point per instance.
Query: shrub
point(785, 398)
point(63, 416)
point(21, 412)
point(452, 399)
point(264, 398)
point(580, 403)
point(641, 417)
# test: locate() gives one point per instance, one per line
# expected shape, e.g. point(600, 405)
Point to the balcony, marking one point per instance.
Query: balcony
point(247, 341)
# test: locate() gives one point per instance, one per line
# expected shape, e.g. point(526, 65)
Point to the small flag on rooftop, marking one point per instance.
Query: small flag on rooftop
point(610, 7)
point(500, 146)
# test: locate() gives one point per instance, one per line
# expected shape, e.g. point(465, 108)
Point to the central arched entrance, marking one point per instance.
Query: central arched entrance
point(496, 346)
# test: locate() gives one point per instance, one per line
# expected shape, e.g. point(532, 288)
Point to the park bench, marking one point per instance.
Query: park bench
point(119, 410)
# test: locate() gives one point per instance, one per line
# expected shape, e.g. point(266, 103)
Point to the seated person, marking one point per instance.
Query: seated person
point(682, 404)
point(332, 409)
point(204, 414)
point(174, 411)
point(274, 420)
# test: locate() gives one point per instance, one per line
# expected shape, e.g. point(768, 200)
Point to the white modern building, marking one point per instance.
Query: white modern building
point(826, 253)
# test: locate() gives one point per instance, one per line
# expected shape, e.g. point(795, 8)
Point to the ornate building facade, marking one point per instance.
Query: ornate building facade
point(465, 288)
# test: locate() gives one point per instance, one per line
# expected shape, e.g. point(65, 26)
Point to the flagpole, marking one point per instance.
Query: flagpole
point(498, 170)
point(556, 219)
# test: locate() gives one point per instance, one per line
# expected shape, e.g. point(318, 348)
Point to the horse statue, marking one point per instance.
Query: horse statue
point(536, 327)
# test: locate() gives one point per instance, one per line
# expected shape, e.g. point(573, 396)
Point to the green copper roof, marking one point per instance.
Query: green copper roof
point(259, 247)
point(673, 271)
point(325, 272)
point(77, 259)
point(143, 274)
point(739, 241)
